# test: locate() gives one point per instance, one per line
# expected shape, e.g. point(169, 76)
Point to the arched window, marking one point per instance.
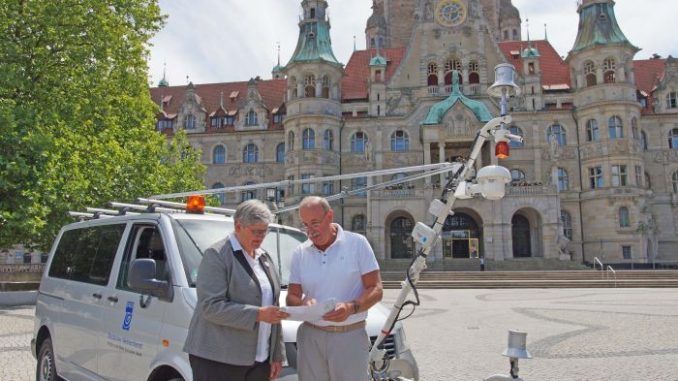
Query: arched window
point(219, 155)
point(672, 100)
point(624, 220)
point(248, 194)
point(250, 154)
point(615, 127)
point(432, 78)
point(358, 142)
point(400, 142)
point(292, 84)
point(309, 86)
point(557, 132)
point(326, 87)
point(290, 141)
point(473, 72)
point(609, 69)
point(280, 153)
point(563, 181)
point(634, 128)
point(643, 140)
point(220, 196)
point(402, 244)
point(566, 219)
point(517, 175)
point(590, 73)
point(359, 224)
point(452, 64)
point(251, 119)
point(673, 139)
point(308, 139)
point(328, 140)
point(648, 184)
point(592, 131)
point(359, 183)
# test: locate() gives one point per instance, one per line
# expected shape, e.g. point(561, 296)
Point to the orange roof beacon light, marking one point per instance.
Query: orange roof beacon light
point(501, 150)
point(195, 204)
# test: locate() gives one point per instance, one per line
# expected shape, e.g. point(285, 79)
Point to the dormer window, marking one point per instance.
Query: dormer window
point(312, 13)
point(277, 118)
point(590, 73)
point(609, 68)
point(189, 122)
point(251, 119)
point(530, 67)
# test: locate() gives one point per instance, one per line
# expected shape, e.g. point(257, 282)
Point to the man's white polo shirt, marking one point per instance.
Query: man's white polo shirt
point(335, 273)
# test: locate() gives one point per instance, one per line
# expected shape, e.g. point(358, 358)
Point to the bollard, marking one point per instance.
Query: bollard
point(516, 349)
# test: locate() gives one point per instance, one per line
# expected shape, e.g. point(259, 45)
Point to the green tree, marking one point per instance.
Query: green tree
point(76, 117)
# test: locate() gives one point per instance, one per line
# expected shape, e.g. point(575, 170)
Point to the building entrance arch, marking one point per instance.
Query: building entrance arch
point(461, 235)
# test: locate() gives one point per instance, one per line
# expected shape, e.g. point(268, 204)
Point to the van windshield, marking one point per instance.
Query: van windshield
point(196, 236)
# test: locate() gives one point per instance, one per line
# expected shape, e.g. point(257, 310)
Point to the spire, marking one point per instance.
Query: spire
point(546, 35)
point(163, 82)
point(354, 44)
point(530, 51)
point(598, 26)
point(221, 99)
point(527, 25)
point(314, 42)
point(277, 69)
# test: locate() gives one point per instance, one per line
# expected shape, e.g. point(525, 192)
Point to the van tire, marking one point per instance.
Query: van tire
point(176, 379)
point(46, 368)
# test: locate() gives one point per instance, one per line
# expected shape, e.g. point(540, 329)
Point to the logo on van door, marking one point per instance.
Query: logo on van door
point(129, 313)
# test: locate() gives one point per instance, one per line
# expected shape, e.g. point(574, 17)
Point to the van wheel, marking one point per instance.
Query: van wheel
point(46, 369)
point(176, 379)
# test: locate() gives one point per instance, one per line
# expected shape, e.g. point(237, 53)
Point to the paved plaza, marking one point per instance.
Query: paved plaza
point(573, 334)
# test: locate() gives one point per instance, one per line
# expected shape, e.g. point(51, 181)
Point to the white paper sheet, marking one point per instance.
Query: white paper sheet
point(310, 313)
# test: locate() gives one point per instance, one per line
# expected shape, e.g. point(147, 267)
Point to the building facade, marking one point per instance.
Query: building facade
point(596, 175)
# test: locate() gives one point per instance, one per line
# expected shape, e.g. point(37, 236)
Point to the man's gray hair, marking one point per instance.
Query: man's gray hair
point(310, 201)
point(252, 212)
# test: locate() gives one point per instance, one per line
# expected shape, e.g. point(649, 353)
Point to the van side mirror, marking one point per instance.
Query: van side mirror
point(141, 277)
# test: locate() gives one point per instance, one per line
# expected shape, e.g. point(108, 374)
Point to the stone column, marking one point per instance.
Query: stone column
point(427, 160)
point(441, 159)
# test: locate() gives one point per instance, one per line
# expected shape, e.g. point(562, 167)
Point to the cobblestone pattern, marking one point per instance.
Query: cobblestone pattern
point(573, 334)
point(16, 330)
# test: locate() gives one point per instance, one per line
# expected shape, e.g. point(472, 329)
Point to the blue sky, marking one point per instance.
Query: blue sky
point(234, 40)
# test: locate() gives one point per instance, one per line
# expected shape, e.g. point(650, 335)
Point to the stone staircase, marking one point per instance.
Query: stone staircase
point(537, 279)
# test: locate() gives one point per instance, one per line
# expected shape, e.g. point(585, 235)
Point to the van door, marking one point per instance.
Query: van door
point(84, 262)
point(132, 321)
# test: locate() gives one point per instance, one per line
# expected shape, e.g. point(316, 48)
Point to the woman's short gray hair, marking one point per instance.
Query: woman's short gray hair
point(252, 212)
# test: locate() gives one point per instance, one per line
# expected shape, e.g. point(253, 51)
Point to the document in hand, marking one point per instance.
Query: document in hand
point(311, 313)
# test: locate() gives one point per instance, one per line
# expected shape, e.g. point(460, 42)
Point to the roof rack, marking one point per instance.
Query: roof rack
point(178, 205)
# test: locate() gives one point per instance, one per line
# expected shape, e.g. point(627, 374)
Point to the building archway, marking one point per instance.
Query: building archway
point(399, 242)
point(526, 234)
point(462, 235)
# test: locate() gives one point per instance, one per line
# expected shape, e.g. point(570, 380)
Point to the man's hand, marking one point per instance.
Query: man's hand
point(276, 368)
point(340, 313)
point(271, 314)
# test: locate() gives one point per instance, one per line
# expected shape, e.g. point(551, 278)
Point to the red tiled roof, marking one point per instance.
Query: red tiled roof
point(272, 93)
point(354, 83)
point(647, 73)
point(554, 69)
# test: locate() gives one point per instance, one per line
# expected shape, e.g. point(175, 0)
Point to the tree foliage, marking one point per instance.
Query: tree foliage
point(76, 117)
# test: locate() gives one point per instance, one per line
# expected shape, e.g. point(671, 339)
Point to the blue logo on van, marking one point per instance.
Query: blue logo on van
point(129, 312)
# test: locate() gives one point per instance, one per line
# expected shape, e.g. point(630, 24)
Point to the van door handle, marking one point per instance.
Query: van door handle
point(96, 295)
point(113, 299)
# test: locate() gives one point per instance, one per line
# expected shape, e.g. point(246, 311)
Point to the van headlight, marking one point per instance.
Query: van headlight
point(400, 341)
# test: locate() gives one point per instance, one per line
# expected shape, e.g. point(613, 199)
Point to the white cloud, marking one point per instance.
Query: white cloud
point(234, 40)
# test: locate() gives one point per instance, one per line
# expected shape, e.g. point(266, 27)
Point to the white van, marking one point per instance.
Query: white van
point(105, 312)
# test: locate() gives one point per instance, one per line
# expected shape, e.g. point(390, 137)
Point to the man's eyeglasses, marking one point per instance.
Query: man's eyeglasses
point(313, 225)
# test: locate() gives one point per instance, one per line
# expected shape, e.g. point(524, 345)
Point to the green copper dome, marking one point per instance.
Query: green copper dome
point(598, 26)
point(314, 43)
point(438, 111)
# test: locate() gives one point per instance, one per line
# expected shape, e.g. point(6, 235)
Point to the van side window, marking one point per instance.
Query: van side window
point(145, 241)
point(87, 255)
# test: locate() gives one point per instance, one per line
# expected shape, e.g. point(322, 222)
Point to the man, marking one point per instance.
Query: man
point(235, 332)
point(340, 265)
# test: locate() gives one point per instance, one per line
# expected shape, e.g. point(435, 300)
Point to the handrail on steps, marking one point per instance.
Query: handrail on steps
point(614, 274)
point(596, 260)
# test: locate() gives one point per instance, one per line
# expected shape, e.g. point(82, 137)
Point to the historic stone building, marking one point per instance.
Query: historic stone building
point(597, 174)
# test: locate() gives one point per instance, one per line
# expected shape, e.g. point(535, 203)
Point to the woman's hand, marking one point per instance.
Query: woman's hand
point(271, 314)
point(276, 368)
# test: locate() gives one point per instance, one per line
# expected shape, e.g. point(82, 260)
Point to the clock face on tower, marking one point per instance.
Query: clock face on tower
point(450, 12)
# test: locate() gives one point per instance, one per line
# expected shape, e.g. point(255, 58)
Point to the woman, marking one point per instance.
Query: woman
point(235, 332)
